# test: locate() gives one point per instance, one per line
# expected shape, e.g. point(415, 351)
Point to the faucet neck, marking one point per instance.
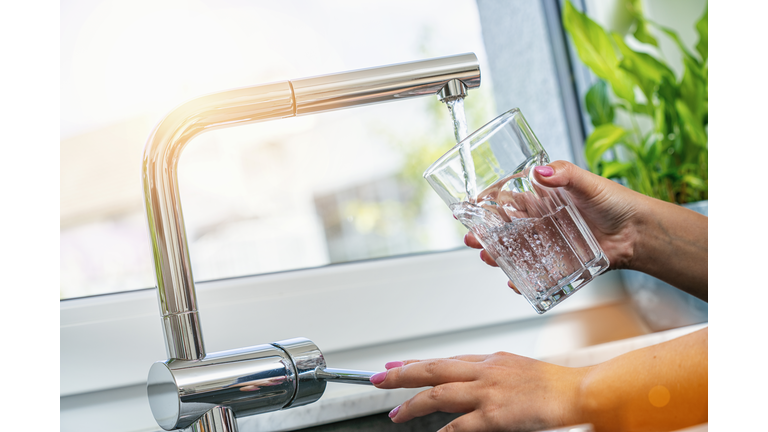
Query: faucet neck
point(176, 289)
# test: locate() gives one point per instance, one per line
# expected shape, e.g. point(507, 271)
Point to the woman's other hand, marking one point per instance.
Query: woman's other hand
point(497, 392)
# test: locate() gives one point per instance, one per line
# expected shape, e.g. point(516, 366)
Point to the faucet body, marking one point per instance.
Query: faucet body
point(190, 386)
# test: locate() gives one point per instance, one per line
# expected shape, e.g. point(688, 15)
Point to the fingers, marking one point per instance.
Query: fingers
point(514, 288)
point(474, 358)
point(448, 398)
point(486, 257)
point(471, 241)
point(425, 373)
point(464, 357)
point(567, 175)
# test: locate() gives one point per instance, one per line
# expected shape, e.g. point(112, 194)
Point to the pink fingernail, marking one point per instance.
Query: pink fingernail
point(545, 171)
point(393, 364)
point(379, 378)
point(393, 413)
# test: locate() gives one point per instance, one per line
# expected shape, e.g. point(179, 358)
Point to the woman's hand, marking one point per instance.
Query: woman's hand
point(660, 388)
point(498, 392)
point(609, 209)
point(635, 231)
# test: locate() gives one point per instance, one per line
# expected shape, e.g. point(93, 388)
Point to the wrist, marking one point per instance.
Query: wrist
point(572, 392)
point(652, 240)
point(596, 402)
point(638, 232)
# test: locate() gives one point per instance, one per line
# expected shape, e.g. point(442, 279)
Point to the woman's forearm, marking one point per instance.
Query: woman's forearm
point(658, 388)
point(672, 245)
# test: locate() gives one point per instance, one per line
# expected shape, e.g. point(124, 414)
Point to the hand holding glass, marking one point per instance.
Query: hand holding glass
point(534, 233)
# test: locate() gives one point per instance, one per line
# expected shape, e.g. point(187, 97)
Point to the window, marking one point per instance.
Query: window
point(289, 194)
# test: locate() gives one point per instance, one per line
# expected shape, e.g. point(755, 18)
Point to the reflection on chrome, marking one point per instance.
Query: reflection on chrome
point(207, 392)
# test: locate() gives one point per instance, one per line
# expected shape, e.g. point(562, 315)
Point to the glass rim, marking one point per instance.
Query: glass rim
point(501, 118)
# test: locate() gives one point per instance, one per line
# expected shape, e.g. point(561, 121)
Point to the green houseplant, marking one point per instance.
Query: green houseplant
point(650, 133)
point(650, 127)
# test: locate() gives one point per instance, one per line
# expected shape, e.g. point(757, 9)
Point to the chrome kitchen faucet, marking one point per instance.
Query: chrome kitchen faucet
point(206, 392)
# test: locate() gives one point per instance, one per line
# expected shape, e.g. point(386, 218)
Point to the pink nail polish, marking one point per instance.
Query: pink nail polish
point(379, 378)
point(393, 364)
point(545, 171)
point(393, 413)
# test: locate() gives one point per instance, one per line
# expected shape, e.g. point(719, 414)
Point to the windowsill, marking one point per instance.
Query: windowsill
point(109, 342)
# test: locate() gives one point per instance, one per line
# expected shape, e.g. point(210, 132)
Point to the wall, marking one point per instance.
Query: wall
point(523, 69)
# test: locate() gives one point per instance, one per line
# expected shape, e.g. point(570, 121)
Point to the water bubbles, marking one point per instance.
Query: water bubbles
point(532, 251)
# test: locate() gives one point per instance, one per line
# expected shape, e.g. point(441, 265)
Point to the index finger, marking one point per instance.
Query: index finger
point(463, 357)
point(427, 373)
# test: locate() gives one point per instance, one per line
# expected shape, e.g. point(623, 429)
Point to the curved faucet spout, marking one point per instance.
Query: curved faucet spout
point(173, 271)
point(176, 290)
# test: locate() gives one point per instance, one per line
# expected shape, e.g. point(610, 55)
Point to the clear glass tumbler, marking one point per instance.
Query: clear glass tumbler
point(535, 233)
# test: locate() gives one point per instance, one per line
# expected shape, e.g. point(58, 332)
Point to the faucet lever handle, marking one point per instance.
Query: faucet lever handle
point(344, 376)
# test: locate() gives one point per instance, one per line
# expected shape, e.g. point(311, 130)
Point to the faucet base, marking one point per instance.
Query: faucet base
point(246, 381)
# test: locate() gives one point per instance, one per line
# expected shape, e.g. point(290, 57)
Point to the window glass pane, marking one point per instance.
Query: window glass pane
point(276, 196)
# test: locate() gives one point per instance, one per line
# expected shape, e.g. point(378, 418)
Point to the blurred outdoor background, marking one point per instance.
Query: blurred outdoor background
point(288, 194)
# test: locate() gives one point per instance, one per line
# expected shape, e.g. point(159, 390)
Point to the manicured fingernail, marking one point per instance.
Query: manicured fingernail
point(393, 413)
point(545, 171)
point(379, 378)
point(393, 364)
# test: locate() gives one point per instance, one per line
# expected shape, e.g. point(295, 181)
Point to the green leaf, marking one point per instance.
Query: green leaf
point(679, 43)
point(694, 182)
point(637, 108)
point(643, 68)
point(643, 34)
point(652, 149)
point(598, 104)
point(596, 50)
point(702, 28)
point(613, 169)
point(692, 127)
point(693, 89)
point(602, 139)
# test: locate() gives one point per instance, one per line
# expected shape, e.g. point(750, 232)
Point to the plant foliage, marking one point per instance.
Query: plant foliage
point(667, 160)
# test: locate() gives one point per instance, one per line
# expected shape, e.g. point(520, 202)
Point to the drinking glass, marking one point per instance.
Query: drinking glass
point(535, 233)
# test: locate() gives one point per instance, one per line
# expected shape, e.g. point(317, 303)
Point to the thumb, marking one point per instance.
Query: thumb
point(568, 176)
